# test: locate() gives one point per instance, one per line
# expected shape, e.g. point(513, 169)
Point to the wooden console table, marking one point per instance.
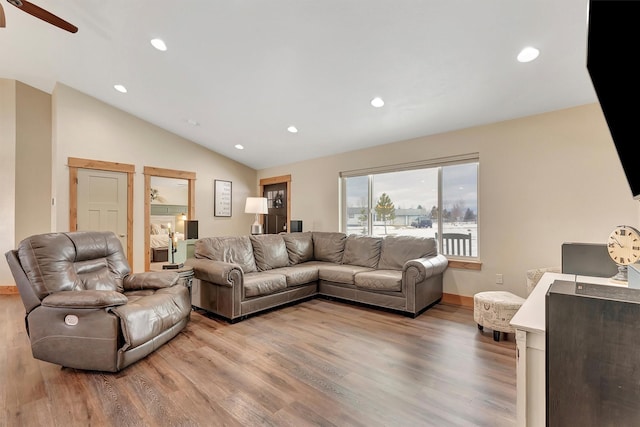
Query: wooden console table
point(529, 323)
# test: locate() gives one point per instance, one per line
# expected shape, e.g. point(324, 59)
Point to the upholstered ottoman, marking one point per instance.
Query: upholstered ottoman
point(494, 310)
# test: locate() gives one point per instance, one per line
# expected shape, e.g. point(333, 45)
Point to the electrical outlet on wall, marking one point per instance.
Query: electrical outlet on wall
point(499, 279)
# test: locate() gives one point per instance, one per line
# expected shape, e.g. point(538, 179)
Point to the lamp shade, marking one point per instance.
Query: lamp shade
point(256, 205)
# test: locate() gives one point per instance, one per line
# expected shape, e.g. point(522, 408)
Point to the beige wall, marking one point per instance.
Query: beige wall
point(7, 173)
point(87, 128)
point(33, 161)
point(25, 165)
point(544, 180)
point(38, 132)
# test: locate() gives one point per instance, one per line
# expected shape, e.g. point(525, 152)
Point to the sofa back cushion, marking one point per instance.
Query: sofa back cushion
point(269, 251)
point(396, 250)
point(299, 247)
point(233, 249)
point(362, 250)
point(328, 246)
point(74, 261)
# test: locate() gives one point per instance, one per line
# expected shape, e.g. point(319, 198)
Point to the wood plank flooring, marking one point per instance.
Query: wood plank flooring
point(318, 363)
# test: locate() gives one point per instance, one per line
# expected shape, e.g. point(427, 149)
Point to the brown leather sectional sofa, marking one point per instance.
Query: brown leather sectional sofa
point(239, 276)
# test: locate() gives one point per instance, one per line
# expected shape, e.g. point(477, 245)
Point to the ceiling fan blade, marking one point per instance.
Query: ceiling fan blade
point(40, 13)
point(3, 22)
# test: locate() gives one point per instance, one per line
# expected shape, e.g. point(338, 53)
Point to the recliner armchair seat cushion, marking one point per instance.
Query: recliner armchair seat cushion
point(380, 280)
point(84, 299)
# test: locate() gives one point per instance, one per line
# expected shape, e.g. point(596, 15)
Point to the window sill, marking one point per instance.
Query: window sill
point(465, 265)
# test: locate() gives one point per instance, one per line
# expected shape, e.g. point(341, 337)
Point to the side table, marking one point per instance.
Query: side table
point(185, 275)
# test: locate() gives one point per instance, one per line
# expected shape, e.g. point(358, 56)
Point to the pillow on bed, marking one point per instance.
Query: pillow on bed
point(155, 229)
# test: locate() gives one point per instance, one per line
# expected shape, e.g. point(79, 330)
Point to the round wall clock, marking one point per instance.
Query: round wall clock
point(624, 249)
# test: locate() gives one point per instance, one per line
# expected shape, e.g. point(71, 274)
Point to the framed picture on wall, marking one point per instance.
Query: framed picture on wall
point(221, 198)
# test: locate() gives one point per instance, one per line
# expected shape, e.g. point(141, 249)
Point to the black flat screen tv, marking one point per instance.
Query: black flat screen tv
point(613, 40)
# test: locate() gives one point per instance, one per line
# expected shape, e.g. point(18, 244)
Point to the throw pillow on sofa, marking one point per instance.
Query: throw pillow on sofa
point(396, 250)
point(362, 250)
point(269, 251)
point(328, 246)
point(299, 247)
point(236, 250)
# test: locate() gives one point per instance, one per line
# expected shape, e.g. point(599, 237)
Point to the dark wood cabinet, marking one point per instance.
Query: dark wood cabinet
point(592, 355)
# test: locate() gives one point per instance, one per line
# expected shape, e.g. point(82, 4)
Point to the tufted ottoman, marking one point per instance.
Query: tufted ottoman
point(494, 310)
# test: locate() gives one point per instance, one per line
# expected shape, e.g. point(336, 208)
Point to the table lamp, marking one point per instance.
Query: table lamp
point(256, 205)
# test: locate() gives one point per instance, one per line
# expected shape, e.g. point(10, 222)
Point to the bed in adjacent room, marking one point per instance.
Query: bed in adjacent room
point(159, 236)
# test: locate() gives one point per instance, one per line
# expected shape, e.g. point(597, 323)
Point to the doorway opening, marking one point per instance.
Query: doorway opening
point(190, 209)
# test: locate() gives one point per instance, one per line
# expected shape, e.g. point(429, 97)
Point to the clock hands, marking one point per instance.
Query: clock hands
point(616, 240)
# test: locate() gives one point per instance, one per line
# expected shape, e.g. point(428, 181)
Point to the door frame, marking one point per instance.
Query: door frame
point(74, 164)
point(282, 179)
point(150, 171)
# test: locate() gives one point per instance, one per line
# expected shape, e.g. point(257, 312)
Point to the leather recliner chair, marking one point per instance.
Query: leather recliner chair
point(84, 308)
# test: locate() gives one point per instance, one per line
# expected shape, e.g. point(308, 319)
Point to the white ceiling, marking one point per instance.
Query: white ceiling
point(247, 69)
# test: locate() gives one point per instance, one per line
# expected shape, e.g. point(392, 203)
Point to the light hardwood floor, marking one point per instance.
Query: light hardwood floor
point(320, 363)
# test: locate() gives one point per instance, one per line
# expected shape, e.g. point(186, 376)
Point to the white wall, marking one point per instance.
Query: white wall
point(544, 180)
point(86, 128)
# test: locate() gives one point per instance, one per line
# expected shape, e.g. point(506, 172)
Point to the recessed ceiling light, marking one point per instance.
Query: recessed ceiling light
point(120, 88)
point(239, 146)
point(528, 54)
point(377, 102)
point(292, 129)
point(159, 44)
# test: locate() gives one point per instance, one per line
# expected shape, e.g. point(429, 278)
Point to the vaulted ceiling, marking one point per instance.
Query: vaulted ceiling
point(243, 71)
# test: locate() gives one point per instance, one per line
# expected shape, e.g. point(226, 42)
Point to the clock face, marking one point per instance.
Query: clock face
point(624, 245)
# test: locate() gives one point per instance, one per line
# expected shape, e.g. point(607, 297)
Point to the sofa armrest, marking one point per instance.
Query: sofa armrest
point(84, 299)
point(218, 272)
point(150, 280)
point(423, 268)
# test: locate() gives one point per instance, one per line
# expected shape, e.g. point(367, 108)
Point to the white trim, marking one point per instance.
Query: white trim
point(422, 164)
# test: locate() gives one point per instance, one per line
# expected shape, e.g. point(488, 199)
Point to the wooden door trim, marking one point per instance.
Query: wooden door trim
point(282, 179)
point(74, 164)
point(150, 171)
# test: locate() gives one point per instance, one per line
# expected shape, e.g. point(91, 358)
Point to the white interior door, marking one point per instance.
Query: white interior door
point(102, 202)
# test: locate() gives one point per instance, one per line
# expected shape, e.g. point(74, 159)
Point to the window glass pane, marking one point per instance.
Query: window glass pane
point(460, 206)
point(403, 202)
point(357, 198)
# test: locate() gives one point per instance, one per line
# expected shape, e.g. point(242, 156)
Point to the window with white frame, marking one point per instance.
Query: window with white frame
point(435, 198)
